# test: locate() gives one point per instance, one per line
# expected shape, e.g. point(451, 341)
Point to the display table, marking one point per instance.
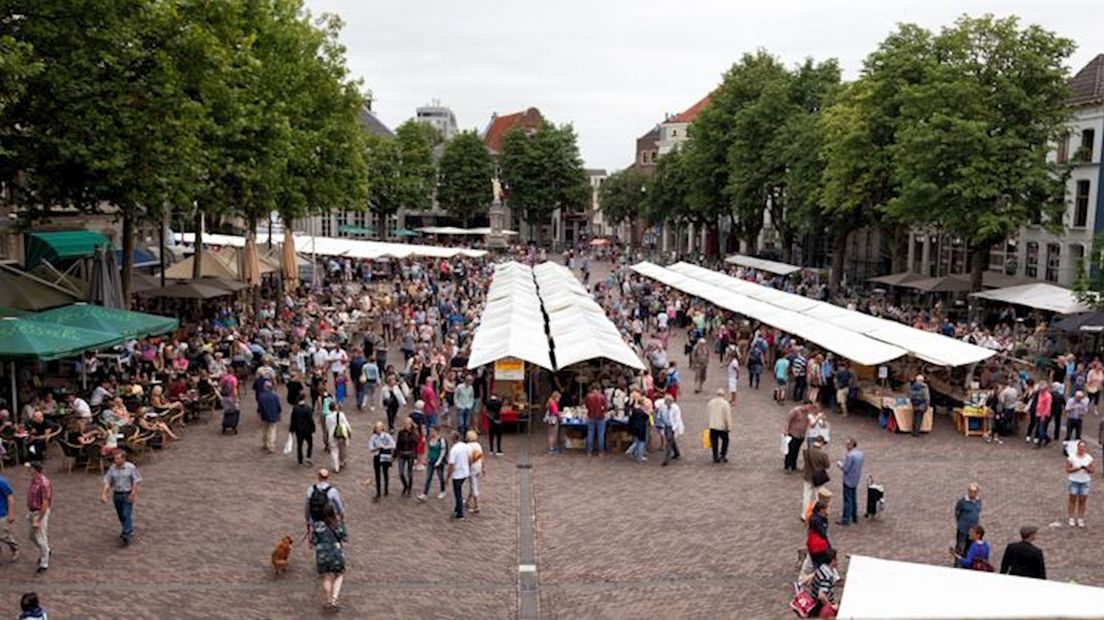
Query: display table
point(884, 399)
point(574, 429)
point(972, 421)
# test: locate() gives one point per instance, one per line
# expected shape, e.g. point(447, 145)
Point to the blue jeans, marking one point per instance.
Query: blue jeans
point(850, 506)
point(637, 449)
point(125, 510)
point(430, 470)
point(596, 436)
point(463, 417)
point(1041, 428)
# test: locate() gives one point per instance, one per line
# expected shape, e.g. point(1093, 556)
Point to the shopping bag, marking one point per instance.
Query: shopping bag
point(784, 444)
point(802, 603)
point(705, 440)
point(289, 444)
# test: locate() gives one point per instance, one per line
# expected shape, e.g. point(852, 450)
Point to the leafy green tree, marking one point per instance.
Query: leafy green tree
point(623, 196)
point(384, 160)
point(970, 150)
point(466, 170)
point(418, 178)
point(543, 172)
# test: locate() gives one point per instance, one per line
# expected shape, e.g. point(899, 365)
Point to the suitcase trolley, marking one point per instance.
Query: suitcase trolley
point(875, 498)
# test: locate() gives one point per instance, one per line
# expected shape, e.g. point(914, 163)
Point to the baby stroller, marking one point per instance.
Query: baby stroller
point(875, 498)
point(230, 416)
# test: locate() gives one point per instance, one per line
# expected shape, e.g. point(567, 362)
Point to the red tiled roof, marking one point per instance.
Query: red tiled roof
point(692, 112)
point(530, 119)
point(1088, 85)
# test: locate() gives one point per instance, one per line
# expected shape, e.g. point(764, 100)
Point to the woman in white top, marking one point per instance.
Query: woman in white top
point(818, 427)
point(732, 371)
point(475, 457)
point(1080, 468)
point(382, 447)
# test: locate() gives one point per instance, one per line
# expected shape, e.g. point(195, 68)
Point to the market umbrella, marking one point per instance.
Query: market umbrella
point(896, 279)
point(942, 284)
point(599, 242)
point(1092, 322)
point(290, 264)
point(250, 264)
point(24, 291)
point(232, 286)
point(187, 290)
point(109, 320)
point(103, 288)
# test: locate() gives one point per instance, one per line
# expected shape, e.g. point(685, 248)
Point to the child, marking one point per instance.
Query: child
point(476, 452)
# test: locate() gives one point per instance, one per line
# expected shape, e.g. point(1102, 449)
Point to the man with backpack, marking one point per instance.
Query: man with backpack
point(920, 399)
point(320, 495)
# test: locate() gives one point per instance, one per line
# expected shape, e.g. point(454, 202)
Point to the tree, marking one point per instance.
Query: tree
point(970, 151)
point(623, 196)
point(466, 171)
point(384, 160)
point(543, 172)
point(418, 177)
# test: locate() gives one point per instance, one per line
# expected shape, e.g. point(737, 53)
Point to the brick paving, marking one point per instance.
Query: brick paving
point(614, 539)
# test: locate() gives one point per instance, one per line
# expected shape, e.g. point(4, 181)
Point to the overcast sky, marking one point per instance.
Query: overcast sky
point(612, 68)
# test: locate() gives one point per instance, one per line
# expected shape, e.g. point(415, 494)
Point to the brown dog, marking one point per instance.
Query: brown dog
point(281, 556)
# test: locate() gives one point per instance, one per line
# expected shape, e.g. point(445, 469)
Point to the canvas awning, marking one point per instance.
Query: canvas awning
point(142, 258)
point(22, 338)
point(878, 588)
point(111, 320)
point(187, 290)
point(62, 245)
point(941, 284)
point(23, 291)
point(213, 264)
point(349, 229)
point(896, 279)
point(353, 248)
point(1039, 295)
point(770, 266)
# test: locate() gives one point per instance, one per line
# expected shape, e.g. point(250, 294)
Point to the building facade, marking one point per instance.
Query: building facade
point(675, 130)
point(439, 117)
point(1034, 252)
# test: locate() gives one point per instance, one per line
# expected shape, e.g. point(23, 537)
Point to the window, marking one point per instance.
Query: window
point(327, 226)
point(1063, 149)
point(1031, 264)
point(1011, 261)
point(1077, 259)
point(1081, 205)
point(1088, 136)
point(1054, 259)
point(674, 133)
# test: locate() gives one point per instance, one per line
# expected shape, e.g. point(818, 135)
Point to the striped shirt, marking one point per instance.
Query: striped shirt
point(824, 582)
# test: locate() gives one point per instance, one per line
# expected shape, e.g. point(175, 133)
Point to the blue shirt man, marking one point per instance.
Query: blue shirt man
point(7, 517)
point(967, 515)
point(851, 465)
point(268, 407)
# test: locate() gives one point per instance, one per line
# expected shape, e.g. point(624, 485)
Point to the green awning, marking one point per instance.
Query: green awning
point(349, 229)
point(26, 339)
point(62, 245)
point(404, 232)
point(111, 320)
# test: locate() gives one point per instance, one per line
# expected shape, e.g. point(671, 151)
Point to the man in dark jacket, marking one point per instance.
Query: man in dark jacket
point(1024, 558)
point(268, 407)
point(302, 426)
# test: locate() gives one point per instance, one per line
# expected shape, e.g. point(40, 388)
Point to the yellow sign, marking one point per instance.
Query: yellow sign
point(510, 369)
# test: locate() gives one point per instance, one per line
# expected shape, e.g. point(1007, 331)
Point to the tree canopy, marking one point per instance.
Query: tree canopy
point(543, 172)
point(466, 171)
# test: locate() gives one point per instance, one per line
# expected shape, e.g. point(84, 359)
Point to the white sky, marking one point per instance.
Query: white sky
point(612, 68)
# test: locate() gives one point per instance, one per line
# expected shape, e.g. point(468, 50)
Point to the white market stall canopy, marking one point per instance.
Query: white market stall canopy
point(1038, 295)
point(452, 230)
point(518, 322)
point(352, 248)
point(878, 588)
point(856, 347)
point(770, 266)
point(928, 346)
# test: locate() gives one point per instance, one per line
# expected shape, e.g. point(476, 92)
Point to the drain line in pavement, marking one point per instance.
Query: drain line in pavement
point(528, 582)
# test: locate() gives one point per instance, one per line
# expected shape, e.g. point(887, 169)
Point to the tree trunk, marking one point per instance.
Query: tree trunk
point(898, 249)
point(839, 259)
point(979, 260)
point(752, 240)
point(197, 255)
point(254, 291)
point(788, 238)
point(128, 256)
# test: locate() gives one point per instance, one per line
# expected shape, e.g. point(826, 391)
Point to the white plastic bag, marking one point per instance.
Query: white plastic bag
point(289, 444)
point(784, 444)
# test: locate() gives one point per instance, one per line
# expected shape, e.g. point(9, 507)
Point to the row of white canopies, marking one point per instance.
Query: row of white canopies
point(470, 232)
point(543, 315)
point(351, 248)
point(857, 336)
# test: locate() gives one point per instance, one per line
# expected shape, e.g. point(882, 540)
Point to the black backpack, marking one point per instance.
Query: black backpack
point(319, 499)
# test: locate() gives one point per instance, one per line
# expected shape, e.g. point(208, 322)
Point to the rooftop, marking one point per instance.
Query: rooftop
point(1087, 86)
point(530, 120)
point(688, 115)
point(372, 124)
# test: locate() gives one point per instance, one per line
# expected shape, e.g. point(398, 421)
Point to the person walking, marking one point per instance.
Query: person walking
point(40, 498)
point(122, 479)
point(381, 445)
point(464, 399)
point(1057, 407)
point(1079, 470)
point(920, 399)
point(327, 535)
point(7, 517)
point(406, 448)
point(339, 439)
point(977, 551)
point(493, 408)
point(1076, 408)
point(30, 609)
point(320, 495)
point(843, 380)
point(1023, 558)
point(967, 512)
point(1039, 408)
point(699, 363)
point(673, 428)
point(781, 374)
point(268, 408)
point(732, 372)
point(436, 458)
point(475, 457)
point(459, 468)
point(552, 419)
point(596, 406)
point(302, 427)
point(393, 399)
point(799, 367)
point(638, 428)
point(797, 424)
point(851, 466)
point(719, 412)
point(815, 474)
